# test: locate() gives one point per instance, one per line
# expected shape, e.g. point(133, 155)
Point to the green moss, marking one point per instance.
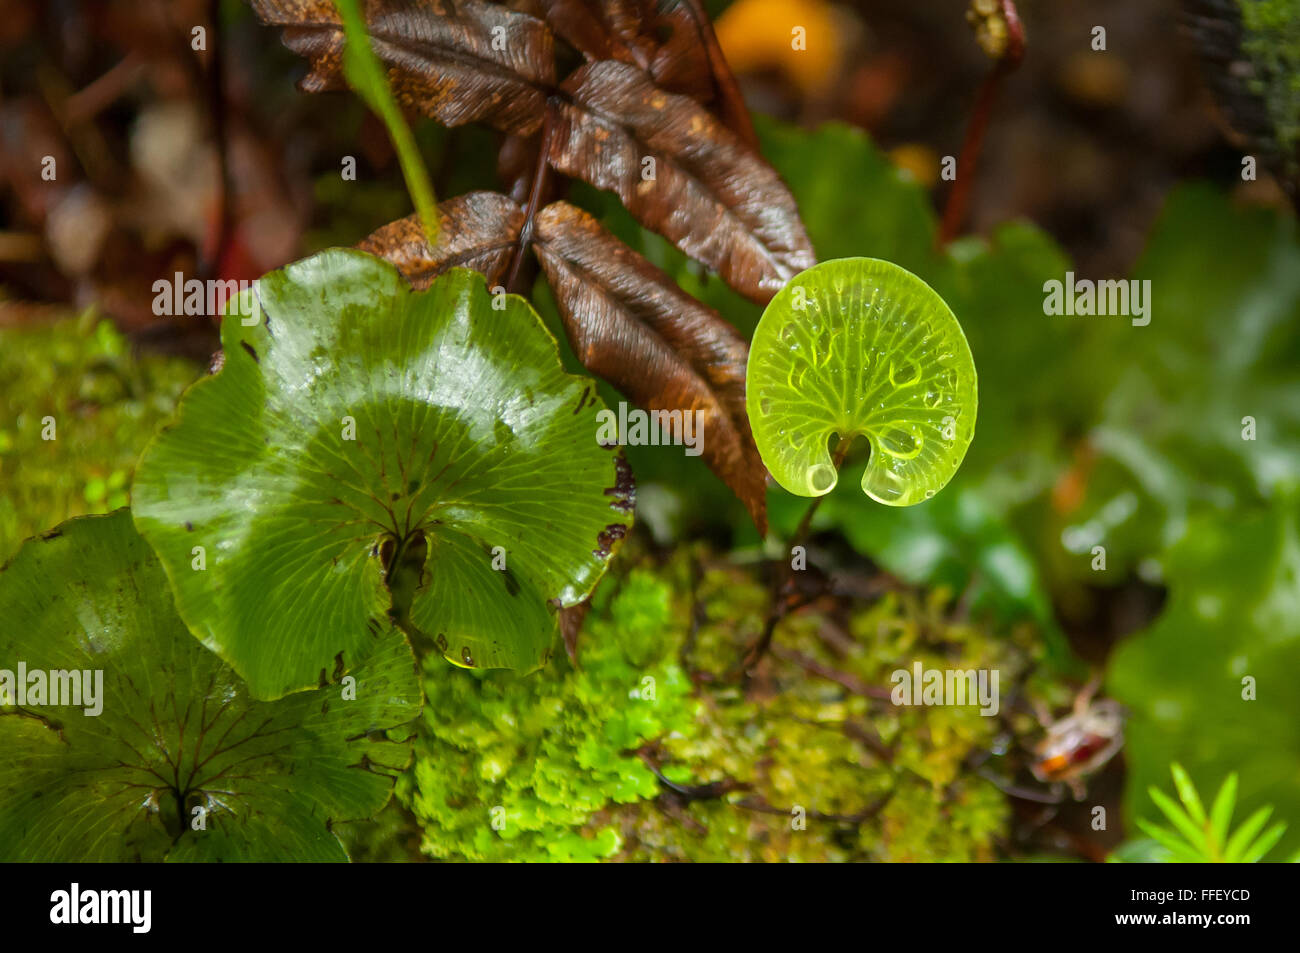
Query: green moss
point(545, 767)
point(76, 381)
point(513, 768)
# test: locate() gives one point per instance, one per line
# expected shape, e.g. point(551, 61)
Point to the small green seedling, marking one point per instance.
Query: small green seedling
point(861, 347)
point(1196, 836)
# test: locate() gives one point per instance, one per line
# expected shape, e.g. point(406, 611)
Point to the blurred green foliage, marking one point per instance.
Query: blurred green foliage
point(106, 403)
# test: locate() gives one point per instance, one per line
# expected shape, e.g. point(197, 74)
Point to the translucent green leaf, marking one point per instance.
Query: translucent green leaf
point(180, 763)
point(368, 450)
point(860, 346)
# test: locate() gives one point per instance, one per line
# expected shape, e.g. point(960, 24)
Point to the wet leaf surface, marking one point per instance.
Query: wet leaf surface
point(480, 231)
point(179, 742)
point(861, 347)
point(367, 451)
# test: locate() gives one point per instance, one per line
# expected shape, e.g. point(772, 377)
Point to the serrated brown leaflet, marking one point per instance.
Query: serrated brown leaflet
point(681, 173)
point(630, 323)
point(671, 40)
point(458, 61)
point(480, 230)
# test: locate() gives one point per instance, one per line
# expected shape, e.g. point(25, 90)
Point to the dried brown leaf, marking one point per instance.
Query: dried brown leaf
point(441, 56)
point(710, 194)
point(480, 230)
point(690, 61)
point(671, 40)
point(570, 621)
point(605, 29)
point(630, 323)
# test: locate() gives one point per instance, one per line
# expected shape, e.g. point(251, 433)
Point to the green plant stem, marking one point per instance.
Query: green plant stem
point(367, 77)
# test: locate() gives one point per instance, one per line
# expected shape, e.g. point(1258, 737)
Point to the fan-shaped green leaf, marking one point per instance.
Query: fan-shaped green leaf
point(358, 427)
point(179, 762)
point(860, 346)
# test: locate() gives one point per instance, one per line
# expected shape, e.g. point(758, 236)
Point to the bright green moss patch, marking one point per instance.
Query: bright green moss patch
point(547, 767)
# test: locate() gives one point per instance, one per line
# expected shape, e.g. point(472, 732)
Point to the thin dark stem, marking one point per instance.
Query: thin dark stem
point(781, 606)
point(761, 806)
point(534, 200)
point(954, 212)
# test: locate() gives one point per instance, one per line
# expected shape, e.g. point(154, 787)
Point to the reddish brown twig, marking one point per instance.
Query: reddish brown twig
point(845, 680)
point(954, 212)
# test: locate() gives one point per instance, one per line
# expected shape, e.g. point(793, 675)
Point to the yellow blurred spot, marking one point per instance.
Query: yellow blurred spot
point(1097, 81)
point(918, 161)
point(990, 28)
point(799, 38)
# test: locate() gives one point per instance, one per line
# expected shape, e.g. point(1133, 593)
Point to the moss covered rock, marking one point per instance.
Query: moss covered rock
point(653, 750)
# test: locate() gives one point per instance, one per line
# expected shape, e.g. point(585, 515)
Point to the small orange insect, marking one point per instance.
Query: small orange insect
point(1079, 744)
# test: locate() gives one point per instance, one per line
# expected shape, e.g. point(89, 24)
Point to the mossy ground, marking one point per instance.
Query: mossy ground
point(653, 750)
point(105, 403)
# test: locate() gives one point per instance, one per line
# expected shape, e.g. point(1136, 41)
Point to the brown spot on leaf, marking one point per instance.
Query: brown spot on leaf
point(609, 536)
point(624, 489)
